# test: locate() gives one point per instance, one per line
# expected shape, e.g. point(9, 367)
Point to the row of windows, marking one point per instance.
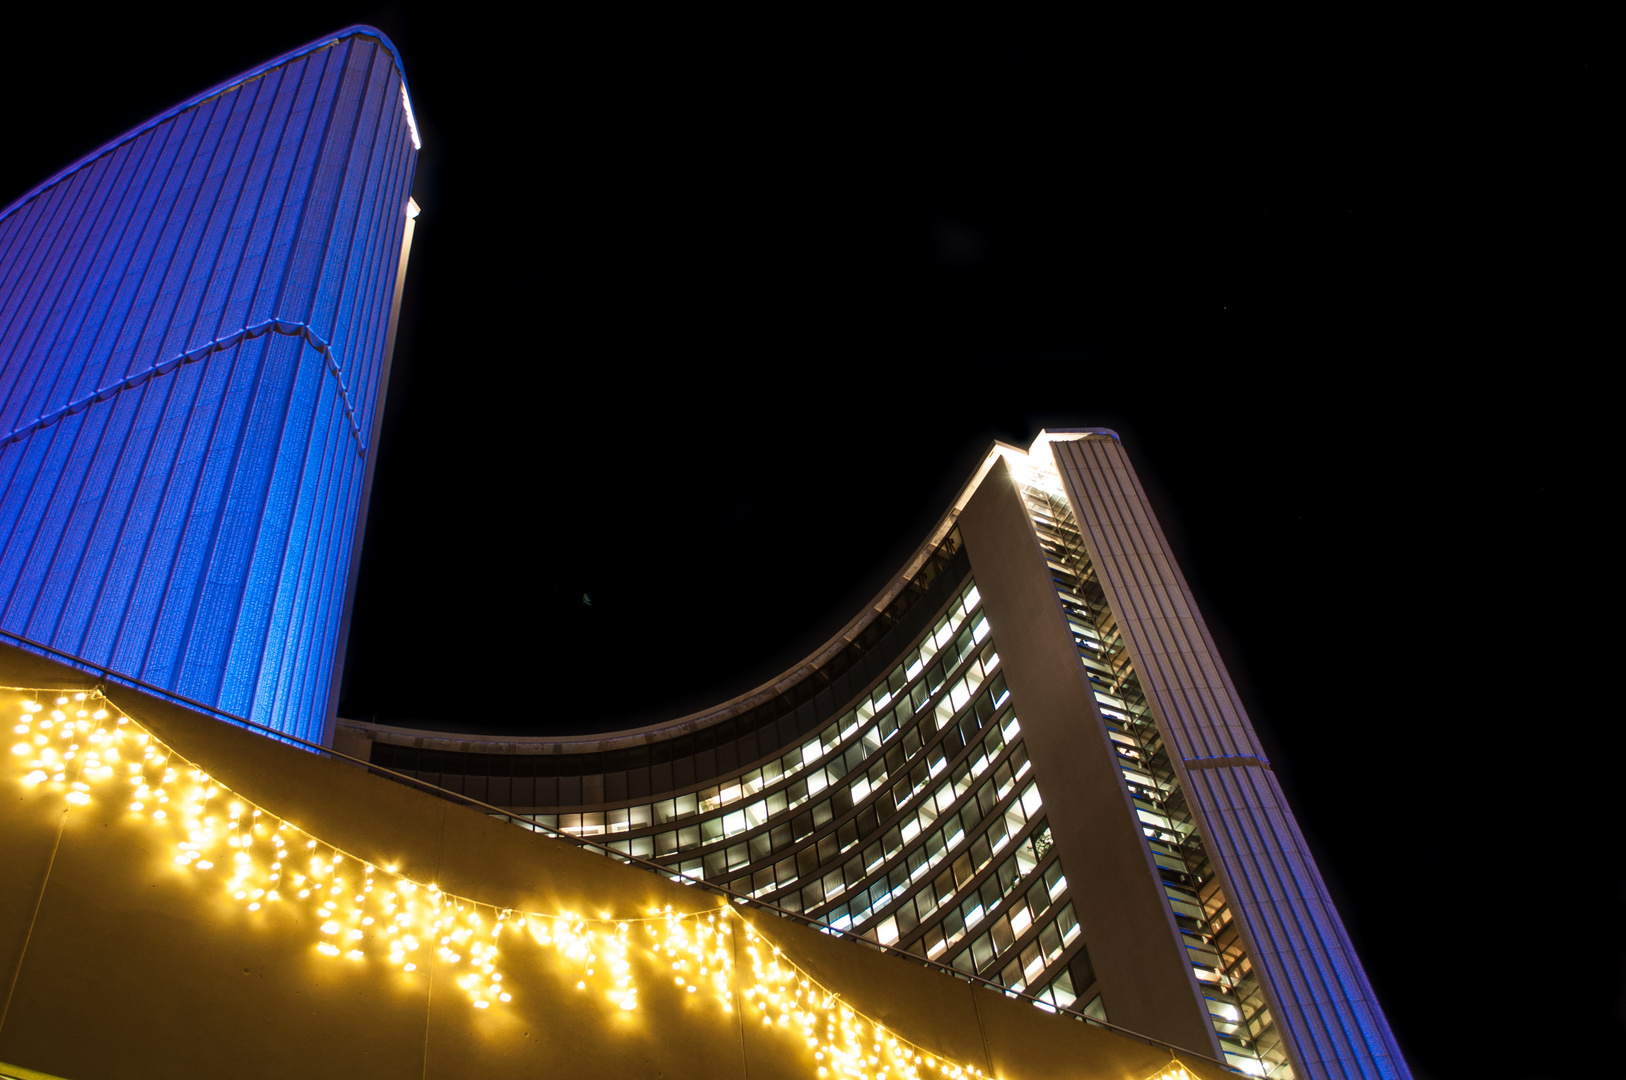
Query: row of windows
point(905, 701)
point(783, 837)
point(1039, 955)
point(998, 945)
point(1000, 952)
point(817, 863)
point(779, 803)
point(881, 769)
point(963, 913)
point(981, 903)
point(1065, 989)
point(940, 845)
point(936, 740)
point(928, 896)
point(807, 867)
point(891, 704)
point(932, 806)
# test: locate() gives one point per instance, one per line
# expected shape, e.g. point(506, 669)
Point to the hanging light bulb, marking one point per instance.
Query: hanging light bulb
point(383, 906)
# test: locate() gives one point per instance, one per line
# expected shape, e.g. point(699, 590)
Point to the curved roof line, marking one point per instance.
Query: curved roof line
point(704, 718)
point(715, 714)
point(359, 30)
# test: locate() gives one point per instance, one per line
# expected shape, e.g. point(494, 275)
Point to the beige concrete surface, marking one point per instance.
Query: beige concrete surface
point(116, 963)
point(1319, 995)
point(1145, 979)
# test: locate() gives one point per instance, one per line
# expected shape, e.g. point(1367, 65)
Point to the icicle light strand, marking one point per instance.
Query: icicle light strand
point(1174, 1070)
point(361, 911)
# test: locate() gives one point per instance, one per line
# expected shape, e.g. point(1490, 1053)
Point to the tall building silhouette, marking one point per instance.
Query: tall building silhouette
point(196, 323)
point(1023, 760)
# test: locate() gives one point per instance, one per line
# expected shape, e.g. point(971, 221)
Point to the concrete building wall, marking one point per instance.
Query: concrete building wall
point(117, 965)
point(1321, 998)
point(1134, 943)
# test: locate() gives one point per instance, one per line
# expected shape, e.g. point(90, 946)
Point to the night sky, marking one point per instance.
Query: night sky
point(706, 324)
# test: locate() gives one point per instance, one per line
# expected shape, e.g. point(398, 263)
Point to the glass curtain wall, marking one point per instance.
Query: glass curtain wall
point(912, 819)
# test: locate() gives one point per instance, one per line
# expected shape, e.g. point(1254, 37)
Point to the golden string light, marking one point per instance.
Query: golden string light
point(361, 911)
point(1174, 1070)
point(843, 1041)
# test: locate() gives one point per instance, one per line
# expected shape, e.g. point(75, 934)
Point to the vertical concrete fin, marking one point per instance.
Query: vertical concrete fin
point(1319, 994)
point(1134, 943)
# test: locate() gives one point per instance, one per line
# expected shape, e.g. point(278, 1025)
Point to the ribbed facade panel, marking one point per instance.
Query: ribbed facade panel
point(1320, 995)
point(193, 329)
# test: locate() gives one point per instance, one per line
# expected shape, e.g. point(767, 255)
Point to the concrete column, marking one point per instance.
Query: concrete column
point(1146, 982)
point(1318, 992)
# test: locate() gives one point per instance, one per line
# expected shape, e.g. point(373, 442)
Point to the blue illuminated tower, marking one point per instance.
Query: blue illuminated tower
point(196, 323)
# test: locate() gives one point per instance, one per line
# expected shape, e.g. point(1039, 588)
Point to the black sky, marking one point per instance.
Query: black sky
point(708, 322)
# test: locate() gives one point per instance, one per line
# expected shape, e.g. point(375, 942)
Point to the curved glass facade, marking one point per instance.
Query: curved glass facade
point(911, 817)
point(195, 333)
point(1015, 763)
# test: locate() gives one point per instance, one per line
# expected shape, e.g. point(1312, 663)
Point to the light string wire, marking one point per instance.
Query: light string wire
point(366, 907)
point(786, 995)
